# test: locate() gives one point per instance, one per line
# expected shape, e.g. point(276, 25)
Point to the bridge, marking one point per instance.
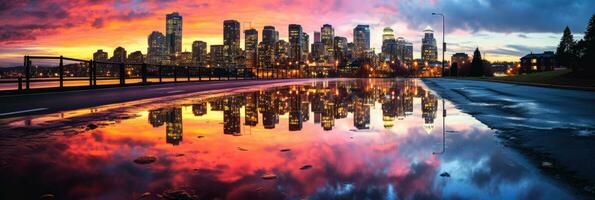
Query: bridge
point(71, 73)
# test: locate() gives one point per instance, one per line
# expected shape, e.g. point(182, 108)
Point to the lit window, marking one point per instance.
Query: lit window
point(533, 61)
point(534, 67)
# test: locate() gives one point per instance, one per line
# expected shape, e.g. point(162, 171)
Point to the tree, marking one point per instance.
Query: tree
point(587, 57)
point(476, 64)
point(454, 69)
point(564, 53)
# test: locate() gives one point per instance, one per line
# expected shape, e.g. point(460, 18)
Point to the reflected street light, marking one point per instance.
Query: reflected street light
point(443, 42)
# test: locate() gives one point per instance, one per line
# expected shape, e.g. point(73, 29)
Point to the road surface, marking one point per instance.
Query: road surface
point(555, 127)
point(19, 105)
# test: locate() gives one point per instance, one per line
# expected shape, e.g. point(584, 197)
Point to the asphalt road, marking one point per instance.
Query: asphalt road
point(549, 125)
point(29, 104)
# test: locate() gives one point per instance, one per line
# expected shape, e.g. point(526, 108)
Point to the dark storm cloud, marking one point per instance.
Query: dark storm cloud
point(26, 20)
point(24, 32)
point(500, 15)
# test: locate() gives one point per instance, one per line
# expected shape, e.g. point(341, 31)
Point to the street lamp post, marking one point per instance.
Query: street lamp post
point(443, 42)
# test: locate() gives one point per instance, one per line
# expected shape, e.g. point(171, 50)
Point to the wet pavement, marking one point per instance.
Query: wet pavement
point(350, 139)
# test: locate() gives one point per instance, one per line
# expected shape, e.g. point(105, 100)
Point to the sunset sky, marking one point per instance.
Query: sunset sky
point(502, 29)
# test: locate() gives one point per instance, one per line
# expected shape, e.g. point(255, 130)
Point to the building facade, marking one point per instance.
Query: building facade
point(231, 42)
point(429, 50)
point(217, 56)
point(199, 53)
point(295, 43)
point(327, 36)
point(538, 62)
point(251, 46)
point(119, 55)
point(157, 49)
point(136, 58)
point(361, 39)
point(173, 33)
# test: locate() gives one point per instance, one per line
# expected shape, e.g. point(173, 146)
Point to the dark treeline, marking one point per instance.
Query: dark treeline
point(578, 55)
point(477, 67)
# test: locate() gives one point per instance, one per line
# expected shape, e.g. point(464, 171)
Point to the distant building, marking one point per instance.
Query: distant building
point(157, 50)
point(266, 48)
point(184, 58)
point(295, 43)
point(173, 33)
point(251, 46)
point(119, 55)
point(231, 42)
point(361, 39)
point(340, 49)
point(281, 52)
point(316, 36)
point(217, 58)
point(100, 55)
point(389, 45)
point(404, 51)
point(460, 59)
point(327, 34)
point(199, 53)
point(429, 50)
point(136, 57)
point(270, 35)
point(532, 62)
point(305, 46)
point(388, 34)
point(318, 51)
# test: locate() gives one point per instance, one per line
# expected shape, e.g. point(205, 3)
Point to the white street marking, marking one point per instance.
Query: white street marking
point(175, 91)
point(23, 111)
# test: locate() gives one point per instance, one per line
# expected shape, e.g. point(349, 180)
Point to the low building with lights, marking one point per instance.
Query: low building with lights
point(533, 62)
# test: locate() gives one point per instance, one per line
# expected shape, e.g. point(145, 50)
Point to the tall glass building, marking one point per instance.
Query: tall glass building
point(429, 51)
point(231, 42)
point(173, 33)
point(157, 50)
point(251, 47)
point(361, 39)
point(295, 42)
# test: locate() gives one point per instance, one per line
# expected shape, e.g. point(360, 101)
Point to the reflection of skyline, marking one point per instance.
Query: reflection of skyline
point(172, 117)
point(327, 102)
point(345, 164)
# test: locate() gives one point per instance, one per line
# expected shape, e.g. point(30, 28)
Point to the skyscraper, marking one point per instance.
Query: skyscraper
point(305, 45)
point(340, 48)
point(266, 48)
point(429, 51)
point(388, 33)
point(281, 52)
point(404, 51)
point(316, 36)
point(157, 50)
point(136, 57)
point(199, 53)
point(389, 44)
point(100, 55)
point(361, 39)
point(119, 55)
point(231, 42)
point(251, 46)
point(217, 58)
point(327, 35)
point(270, 35)
point(173, 33)
point(295, 43)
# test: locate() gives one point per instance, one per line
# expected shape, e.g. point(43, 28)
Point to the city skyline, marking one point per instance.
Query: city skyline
point(131, 23)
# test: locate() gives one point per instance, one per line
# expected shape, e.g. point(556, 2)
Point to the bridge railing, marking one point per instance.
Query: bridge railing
point(61, 72)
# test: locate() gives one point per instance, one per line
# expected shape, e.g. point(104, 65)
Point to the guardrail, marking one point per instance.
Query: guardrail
point(122, 74)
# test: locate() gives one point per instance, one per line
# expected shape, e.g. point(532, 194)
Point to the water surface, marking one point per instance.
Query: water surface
point(350, 139)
